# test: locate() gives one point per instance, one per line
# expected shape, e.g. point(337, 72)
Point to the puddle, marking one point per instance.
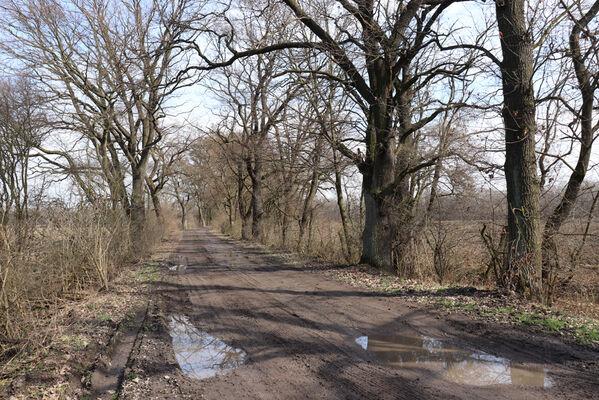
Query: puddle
point(199, 354)
point(469, 367)
point(177, 263)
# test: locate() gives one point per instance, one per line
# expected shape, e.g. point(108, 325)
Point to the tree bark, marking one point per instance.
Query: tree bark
point(257, 201)
point(563, 209)
point(201, 216)
point(183, 214)
point(523, 269)
point(155, 198)
point(342, 210)
point(138, 209)
point(378, 177)
point(314, 182)
point(244, 212)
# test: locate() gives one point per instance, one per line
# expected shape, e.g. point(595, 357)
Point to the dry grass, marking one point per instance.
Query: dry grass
point(66, 255)
point(458, 244)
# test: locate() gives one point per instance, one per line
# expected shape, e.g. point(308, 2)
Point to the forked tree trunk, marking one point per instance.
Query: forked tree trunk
point(523, 269)
point(155, 198)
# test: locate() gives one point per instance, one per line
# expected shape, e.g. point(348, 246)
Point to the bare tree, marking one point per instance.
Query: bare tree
point(22, 127)
point(255, 99)
point(524, 242)
point(584, 61)
point(111, 66)
point(391, 40)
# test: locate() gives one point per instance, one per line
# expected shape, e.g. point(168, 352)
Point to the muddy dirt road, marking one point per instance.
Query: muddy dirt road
point(294, 333)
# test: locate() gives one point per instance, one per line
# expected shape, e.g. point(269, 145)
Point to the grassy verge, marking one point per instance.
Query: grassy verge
point(479, 303)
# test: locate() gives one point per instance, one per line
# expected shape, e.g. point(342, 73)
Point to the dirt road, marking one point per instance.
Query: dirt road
point(298, 328)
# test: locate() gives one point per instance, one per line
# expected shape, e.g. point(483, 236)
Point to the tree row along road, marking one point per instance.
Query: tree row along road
point(299, 326)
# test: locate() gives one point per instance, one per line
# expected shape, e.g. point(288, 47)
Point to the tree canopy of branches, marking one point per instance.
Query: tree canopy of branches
point(109, 69)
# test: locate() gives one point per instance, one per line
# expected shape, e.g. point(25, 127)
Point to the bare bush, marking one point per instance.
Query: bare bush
point(67, 254)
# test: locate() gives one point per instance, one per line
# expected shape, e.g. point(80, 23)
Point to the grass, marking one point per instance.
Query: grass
point(105, 316)
point(496, 306)
point(552, 323)
point(149, 274)
point(588, 333)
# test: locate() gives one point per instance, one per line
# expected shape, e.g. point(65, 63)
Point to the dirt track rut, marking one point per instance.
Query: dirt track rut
point(298, 328)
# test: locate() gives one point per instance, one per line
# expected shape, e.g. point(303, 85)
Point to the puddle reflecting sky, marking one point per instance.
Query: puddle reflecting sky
point(177, 263)
point(454, 364)
point(199, 354)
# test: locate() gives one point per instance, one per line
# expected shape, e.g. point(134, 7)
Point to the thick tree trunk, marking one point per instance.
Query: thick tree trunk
point(157, 205)
point(246, 226)
point(116, 179)
point(380, 225)
point(523, 269)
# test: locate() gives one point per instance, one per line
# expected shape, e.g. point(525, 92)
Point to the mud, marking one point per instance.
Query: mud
point(107, 376)
point(298, 328)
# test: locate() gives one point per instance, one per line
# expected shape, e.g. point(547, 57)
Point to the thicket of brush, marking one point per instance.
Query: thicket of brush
point(60, 255)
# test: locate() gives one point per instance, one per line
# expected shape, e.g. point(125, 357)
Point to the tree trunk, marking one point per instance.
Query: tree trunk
point(378, 189)
point(138, 209)
point(116, 179)
point(257, 201)
point(157, 205)
point(201, 216)
point(229, 208)
point(523, 269)
point(563, 209)
point(244, 212)
point(183, 215)
point(341, 206)
point(284, 227)
point(155, 199)
point(314, 181)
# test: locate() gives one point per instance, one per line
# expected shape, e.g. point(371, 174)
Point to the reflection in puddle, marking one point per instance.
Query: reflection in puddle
point(178, 263)
point(455, 364)
point(199, 354)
